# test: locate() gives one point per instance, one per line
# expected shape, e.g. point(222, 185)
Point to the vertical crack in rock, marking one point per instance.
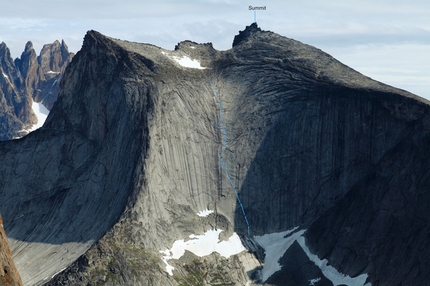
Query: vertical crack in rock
point(223, 164)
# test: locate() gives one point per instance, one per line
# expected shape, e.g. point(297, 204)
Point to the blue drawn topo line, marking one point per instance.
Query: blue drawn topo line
point(224, 164)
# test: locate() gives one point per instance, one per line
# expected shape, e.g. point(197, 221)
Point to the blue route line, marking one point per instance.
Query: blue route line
point(224, 164)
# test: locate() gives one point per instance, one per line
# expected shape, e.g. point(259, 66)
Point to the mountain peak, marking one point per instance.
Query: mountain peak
point(28, 46)
point(245, 34)
point(4, 49)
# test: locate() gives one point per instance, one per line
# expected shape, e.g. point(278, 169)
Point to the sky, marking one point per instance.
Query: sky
point(388, 40)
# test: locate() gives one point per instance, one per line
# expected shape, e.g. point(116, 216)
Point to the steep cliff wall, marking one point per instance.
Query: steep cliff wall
point(149, 150)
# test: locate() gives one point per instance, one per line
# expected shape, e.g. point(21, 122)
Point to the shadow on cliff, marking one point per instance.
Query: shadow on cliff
point(314, 151)
point(71, 180)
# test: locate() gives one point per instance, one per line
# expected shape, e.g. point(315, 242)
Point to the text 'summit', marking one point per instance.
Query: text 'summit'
point(257, 8)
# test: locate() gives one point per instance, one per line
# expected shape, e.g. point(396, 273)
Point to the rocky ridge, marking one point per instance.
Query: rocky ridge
point(318, 154)
point(27, 79)
point(9, 275)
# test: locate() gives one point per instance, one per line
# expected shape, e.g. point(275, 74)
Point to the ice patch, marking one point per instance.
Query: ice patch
point(313, 281)
point(275, 245)
point(203, 245)
point(204, 213)
point(330, 272)
point(41, 112)
point(185, 61)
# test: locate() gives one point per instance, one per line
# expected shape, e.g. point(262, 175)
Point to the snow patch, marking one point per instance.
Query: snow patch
point(313, 281)
point(192, 47)
point(41, 112)
point(330, 272)
point(185, 61)
point(5, 76)
point(203, 245)
point(58, 272)
point(53, 72)
point(204, 213)
point(275, 245)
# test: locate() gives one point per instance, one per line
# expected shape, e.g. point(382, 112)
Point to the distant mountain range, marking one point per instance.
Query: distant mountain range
point(29, 79)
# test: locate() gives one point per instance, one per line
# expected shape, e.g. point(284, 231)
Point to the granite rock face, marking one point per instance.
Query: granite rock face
point(43, 76)
point(15, 107)
point(130, 154)
point(27, 79)
point(9, 275)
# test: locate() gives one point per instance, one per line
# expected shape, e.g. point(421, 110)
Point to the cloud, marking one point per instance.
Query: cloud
point(342, 28)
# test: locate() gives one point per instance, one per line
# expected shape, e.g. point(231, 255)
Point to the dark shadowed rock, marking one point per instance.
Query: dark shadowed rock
point(298, 270)
point(130, 153)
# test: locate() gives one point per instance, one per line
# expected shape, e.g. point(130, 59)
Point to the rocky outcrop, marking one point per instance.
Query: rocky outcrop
point(28, 67)
point(15, 107)
point(9, 275)
point(271, 140)
point(27, 79)
point(51, 63)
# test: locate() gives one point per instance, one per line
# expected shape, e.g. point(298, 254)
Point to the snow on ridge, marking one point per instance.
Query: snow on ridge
point(5, 75)
point(185, 61)
point(203, 245)
point(204, 213)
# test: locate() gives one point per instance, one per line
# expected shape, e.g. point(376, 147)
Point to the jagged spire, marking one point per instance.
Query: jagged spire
point(243, 35)
point(28, 46)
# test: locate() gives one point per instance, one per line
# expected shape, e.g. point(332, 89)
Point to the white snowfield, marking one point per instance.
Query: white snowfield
point(274, 244)
point(185, 61)
point(41, 112)
point(203, 245)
